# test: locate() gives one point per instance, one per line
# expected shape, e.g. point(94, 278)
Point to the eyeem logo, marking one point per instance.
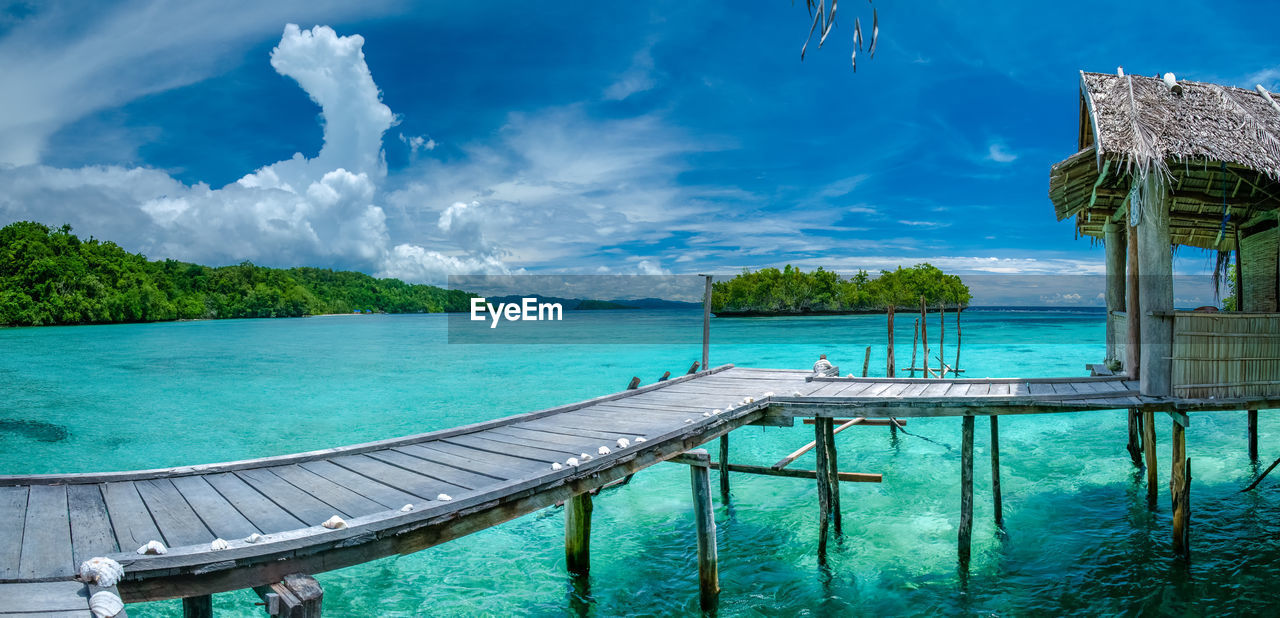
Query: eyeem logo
point(528, 309)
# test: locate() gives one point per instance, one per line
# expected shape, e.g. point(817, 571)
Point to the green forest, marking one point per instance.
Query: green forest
point(790, 291)
point(50, 276)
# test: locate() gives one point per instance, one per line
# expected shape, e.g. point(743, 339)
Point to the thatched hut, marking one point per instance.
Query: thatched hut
point(1164, 163)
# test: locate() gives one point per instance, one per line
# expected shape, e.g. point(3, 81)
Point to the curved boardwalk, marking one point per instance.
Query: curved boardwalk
point(492, 471)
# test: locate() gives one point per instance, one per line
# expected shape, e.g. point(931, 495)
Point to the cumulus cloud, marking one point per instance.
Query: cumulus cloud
point(417, 143)
point(318, 211)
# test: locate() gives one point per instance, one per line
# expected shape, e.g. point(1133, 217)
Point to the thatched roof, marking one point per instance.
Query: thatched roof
point(1208, 141)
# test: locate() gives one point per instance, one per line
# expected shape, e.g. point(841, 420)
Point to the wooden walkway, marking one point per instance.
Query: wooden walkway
point(458, 481)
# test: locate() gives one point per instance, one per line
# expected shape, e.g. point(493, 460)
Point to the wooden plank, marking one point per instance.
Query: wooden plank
point(465, 479)
point(381, 493)
point(265, 515)
point(13, 518)
point(493, 464)
point(177, 521)
point(551, 427)
point(895, 390)
point(409, 482)
point(532, 446)
point(91, 533)
point(936, 389)
point(219, 515)
point(46, 539)
point(130, 519)
point(476, 473)
point(574, 442)
point(44, 598)
point(302, 505)
point(346, 501)
point(590, 425)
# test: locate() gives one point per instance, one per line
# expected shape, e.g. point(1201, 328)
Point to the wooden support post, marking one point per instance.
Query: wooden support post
point(955, 369)
point(996, 502)
point(786, 461)
point(198, 607)
point(295, 596)
point(924, 338)
point(1133, 306)
point(915, 339)
point(889, 362)
point(866, 362)
point(1155, 263)
point(577, 534)
point(724, 469)
point(833, 474)
point(634, 384)
point(1135, 436)
point(1253, 435)
point(824, 487)
point(706, 325)
point(942, 338)
point(1180, 491)
point(666, 375)
point(1149, 449)
point(708, 569)
point(693, 368)
point(966, 492)
point(1114, 244)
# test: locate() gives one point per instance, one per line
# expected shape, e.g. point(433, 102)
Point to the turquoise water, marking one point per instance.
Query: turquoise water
point(1080, 538)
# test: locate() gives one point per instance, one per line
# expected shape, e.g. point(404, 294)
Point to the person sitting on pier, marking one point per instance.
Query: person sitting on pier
point(824, 367)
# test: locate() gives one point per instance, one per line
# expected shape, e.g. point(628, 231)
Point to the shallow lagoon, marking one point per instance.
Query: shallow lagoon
point(1080, 538)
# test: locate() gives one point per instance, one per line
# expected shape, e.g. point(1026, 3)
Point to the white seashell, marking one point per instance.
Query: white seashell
point(717, 411)
point(218, 545)
point(105, 604)
point(406, 508)
point(796, 394)
point(556, 466)
point(749, 399)
point(153, 548)
point(573, 461)
point(688, 420)
point(104, 572)
point(443, 497)
point(604, 450)
point(767, 394)
point(640, 439)
point(253, 538)
point(585, 457)
point(706, 414)
point(623, 443)
point(334, 523)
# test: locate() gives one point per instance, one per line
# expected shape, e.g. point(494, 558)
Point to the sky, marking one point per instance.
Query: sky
point(421, 140)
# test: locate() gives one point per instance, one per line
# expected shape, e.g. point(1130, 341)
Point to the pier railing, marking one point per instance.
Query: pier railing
point(1225, 354)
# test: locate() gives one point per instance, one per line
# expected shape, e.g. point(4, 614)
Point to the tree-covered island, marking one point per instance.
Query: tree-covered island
point(790, 291)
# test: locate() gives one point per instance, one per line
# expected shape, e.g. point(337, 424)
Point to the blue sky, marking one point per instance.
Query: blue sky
point(419, 140)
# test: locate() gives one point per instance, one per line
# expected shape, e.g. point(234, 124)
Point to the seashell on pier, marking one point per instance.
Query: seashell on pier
point(688, 420)
point(604, 450)
point(218, 545)
point(443, 497)
point(253, 538)
point(105, 604)
point(717, 411)
point(555, 465)
point(767, 394)
point(573, 461)
point(623, 443)
point(706, 414)
point(796, 394)
point(585, 457)
point(406, 508)
point(334, 523)
point(640, 439)
point(153, 548)
point(104, 572)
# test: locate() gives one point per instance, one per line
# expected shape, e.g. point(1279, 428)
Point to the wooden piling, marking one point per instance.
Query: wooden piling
point(577, 534)
point(955, 369)
point(1155, 289)
point(966, 492)
point(1253, 434)
point(1132, 308)
point(866, 362)
point(824, 487)
point(724, 469)
point(915, 339)
point(1135, 436)
point(706, 324)
point(889, 368)
point(833, 474)
point(1149, 449)
point(295, 596)
point(693, 368)
point(924, 338)
point(634, 384)
point(942, 337)
point(1180, 491)
point(198, 607)
point(996, 502)
point(708, 568)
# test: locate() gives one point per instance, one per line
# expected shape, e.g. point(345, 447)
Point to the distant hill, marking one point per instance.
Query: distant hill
point(658, 303)
point(569, 304)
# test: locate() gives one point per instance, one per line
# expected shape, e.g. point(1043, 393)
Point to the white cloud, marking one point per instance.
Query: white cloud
point(1000, 154)
point(651, 267)
point(639, 77)
point(418, 143)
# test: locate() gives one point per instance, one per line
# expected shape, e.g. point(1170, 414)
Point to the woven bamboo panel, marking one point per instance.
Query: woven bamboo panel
point(1258, 255)
point(1120, 326)
point(1226, 354)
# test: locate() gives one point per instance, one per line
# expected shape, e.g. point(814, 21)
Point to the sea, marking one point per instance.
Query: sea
point(1078, 536)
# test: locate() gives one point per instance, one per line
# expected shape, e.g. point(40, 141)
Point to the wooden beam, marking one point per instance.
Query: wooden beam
point(198, 607)
point(996, 502)
point(1149, 449)
point(966, 493)
point(785, 461)
point(577, 534)
point(708, 567)
point(889, 361)
point(724, 469)
point(1267, 95)
point(1253, 435)
point(866, 362)
point(866, 422)
point(832, 471)
point(1155, 263)
point(1180, 491)
point(706, 323)
point(634, 384)
point(294, 596)
point(824, 488)
point(844, 477)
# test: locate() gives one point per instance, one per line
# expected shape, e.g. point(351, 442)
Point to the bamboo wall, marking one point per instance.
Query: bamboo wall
point(1258, 255)
point(1226, 354)
point(1120, 326)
